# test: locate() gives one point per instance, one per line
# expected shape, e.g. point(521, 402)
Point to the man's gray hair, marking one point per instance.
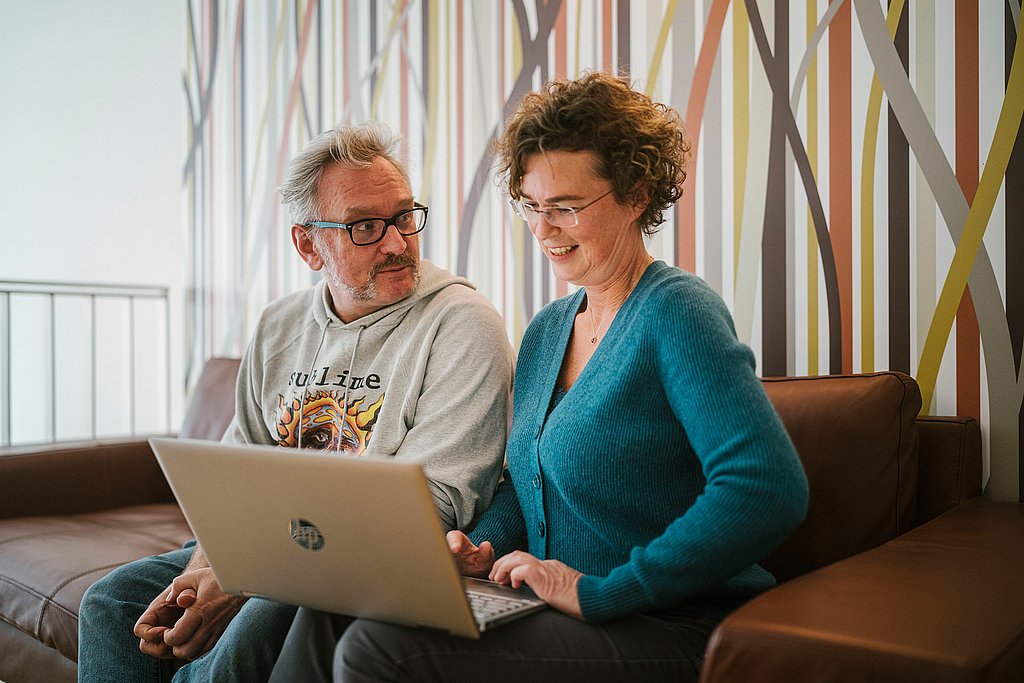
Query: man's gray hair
point(351, 145)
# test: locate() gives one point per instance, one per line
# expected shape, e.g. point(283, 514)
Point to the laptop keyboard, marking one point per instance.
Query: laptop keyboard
point(487, 606)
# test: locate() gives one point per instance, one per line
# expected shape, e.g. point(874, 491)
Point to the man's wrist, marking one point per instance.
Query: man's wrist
point(197, 561)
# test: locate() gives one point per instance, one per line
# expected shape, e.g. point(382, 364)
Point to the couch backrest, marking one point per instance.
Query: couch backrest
point(857, 438)
point(949, 469)
point(212, 404)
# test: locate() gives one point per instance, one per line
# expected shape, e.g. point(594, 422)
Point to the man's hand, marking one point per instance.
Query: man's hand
point(471, 560)
point(185, 621)
point(552, 581)
point(158, 617)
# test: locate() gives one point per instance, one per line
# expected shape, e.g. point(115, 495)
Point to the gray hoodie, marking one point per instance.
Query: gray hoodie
point(427, 379)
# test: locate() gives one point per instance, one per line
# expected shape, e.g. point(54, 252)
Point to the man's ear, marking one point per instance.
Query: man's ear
point(304, 245)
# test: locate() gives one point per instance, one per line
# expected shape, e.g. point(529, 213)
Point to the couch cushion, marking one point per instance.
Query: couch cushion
point(47, 563)
point(940, 603)
point(857, 438)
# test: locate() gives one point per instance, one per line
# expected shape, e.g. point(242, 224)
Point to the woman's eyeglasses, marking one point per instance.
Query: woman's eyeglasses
point(558, 216)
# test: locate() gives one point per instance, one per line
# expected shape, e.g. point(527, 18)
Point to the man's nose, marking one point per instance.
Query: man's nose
point(393, 241)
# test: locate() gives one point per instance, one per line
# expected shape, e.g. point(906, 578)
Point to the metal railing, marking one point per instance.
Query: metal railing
point(46, 296)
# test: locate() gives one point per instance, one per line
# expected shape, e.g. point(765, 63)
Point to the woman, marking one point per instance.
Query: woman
point(647, 470)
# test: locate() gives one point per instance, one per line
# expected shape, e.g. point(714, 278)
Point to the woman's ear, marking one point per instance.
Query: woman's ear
point(639, 198)
point(303, 242)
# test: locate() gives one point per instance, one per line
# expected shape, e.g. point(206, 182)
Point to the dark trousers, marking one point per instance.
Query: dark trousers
point(544, 646)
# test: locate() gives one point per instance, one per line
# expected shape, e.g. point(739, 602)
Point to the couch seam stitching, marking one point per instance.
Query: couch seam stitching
point(899, 464)
point(958, 474)
point(50, 598)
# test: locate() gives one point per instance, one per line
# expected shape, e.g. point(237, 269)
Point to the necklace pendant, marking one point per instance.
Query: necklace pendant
point(593, 340)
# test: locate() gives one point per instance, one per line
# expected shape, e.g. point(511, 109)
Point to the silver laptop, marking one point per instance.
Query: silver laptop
point(356, 536)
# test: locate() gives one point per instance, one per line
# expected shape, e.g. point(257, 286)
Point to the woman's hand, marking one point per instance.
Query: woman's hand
point(552, 581)
point(472, 560)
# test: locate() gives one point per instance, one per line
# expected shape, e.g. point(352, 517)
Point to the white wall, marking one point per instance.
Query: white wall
point(92, 138)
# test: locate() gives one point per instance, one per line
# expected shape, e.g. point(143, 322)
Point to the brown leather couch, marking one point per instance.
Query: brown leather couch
point(71, 513)
point(900, 572)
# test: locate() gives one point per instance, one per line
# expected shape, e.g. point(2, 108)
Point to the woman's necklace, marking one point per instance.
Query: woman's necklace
point(590, 309)
point(593, 326)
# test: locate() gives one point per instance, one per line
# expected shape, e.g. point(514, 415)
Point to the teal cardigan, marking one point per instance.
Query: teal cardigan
point(663, 474)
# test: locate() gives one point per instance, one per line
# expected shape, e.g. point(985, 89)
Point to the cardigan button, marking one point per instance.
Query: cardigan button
point(540, 529)
point(536, 481)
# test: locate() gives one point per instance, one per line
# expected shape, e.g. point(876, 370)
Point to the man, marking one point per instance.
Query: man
point(387, 355)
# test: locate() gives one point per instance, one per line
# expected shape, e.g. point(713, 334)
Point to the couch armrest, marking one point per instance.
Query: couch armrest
point(212, 404)
point(941, 602)
point(949, 470)
point(79, 477)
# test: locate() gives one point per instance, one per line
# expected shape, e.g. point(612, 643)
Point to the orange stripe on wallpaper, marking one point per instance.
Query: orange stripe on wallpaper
point(686, 232)
point(841, 171)
point(607, 40)
point(1004, 386)
point(968, 351)
point(949, 180)
point(561, 61)
point(447, 170)
point(561, 44)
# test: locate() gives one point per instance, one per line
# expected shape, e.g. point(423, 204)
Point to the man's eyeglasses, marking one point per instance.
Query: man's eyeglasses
point(558, 216)
point(369, 231)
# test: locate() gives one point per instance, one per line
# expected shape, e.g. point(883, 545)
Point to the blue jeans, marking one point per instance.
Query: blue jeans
point(108, 650)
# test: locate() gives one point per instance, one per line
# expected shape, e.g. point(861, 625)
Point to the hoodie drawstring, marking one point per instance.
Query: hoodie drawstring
point(348, 381)
point(309, 377)
point(305, 386)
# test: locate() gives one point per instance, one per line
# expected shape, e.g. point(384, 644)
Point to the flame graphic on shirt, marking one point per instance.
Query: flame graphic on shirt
point(326, 425)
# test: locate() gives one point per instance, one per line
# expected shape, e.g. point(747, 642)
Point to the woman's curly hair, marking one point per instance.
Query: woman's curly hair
point(640, 144)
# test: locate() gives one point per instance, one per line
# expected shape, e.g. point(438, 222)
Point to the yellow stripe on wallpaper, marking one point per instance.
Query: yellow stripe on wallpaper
point(397, 14)
point(433, 98)
point(974, 228)
point(462, 67)
point(659, 46)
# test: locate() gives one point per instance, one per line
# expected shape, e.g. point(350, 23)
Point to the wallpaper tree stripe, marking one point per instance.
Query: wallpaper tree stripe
point(856, 193)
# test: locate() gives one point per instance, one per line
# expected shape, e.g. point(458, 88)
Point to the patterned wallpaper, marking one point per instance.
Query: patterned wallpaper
point(857, 198)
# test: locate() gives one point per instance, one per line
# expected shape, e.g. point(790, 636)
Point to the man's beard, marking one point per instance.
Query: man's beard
point(368, 290)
